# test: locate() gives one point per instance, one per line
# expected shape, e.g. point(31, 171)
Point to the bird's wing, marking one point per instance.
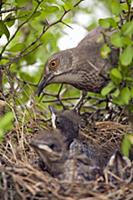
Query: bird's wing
point(91, 37)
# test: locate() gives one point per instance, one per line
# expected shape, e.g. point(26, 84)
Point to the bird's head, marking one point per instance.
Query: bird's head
point(51, 150)
point(57, 69)
point(119, 166)
point(67, 122)
point(48, 146)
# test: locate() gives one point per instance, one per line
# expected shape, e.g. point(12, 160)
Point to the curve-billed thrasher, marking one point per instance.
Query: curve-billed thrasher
point(63, 163)
point(82, 66)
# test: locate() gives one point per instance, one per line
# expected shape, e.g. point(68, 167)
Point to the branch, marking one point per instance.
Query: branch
point(12, 9)
point(1, 80)
point(15, 59)
point(45, 29)
point(13, 36)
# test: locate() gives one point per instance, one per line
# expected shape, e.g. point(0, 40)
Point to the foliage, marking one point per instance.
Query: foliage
point(5, 124)
point(121, 76)
point(120, 87)
point(127, 144)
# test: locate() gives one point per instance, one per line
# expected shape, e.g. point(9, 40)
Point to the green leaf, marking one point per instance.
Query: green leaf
point(6, 121)
point(116, 73)
point(130, 136)
point(51, 9)
point(17, 47)
point(116, 93)
point(107, 22)
point(5, 124)
point(115, 7)
point(126, 56)
point(36, 14)
point(104, 23)
point(117, 40)
point(126, 145)
point(127, 29)
point(22, 2)
point(67, 4)
point(4, 30)
point(105, 50)
point(125, 96)
point(1, 135)
point(106, 90)
point(124, 6)
point(127, 41)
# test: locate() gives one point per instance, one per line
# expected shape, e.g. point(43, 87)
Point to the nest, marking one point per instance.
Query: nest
point(21, 178)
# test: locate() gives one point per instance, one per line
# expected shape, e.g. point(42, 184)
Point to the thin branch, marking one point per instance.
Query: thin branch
point(78, 3)
point(26, 54)
point(12, 9)
point(15, 59)
point(1, 80)
point(63, 99)
point(26, 82)
point(66, 25)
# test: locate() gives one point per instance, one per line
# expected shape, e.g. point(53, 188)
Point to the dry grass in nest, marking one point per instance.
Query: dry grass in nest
point(21, 178)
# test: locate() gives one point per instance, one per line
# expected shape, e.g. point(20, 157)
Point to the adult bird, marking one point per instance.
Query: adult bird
point(82, 66)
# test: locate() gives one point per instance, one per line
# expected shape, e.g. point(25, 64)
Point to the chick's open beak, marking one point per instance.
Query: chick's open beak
point(44, 82)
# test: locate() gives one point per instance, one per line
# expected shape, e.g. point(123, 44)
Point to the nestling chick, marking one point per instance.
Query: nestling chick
point(119, 168)
point(67, 122)
point(72, 164)
point(51, 150)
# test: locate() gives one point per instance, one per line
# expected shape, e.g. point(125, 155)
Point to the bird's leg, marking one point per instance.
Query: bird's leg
point(59, 96)
point(80, 102)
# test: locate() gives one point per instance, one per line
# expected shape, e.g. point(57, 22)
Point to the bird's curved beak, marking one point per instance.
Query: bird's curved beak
point(44, 82)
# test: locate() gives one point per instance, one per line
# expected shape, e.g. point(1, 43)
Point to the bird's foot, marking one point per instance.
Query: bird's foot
point(80, 102)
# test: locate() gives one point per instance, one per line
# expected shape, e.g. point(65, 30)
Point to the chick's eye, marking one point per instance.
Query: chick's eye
point(54, 64)
point(53, 146)
point(57, 122)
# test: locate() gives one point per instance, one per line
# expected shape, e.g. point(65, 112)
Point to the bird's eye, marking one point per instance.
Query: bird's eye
point(57, 122)
point(54, 64)
point(52, 146)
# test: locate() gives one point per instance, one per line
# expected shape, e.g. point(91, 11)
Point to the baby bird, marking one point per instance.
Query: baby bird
point(119, 168)
point(83, 163)
point(67, 122)
point(51, 150)
point(105, 138)
point(69, 165)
